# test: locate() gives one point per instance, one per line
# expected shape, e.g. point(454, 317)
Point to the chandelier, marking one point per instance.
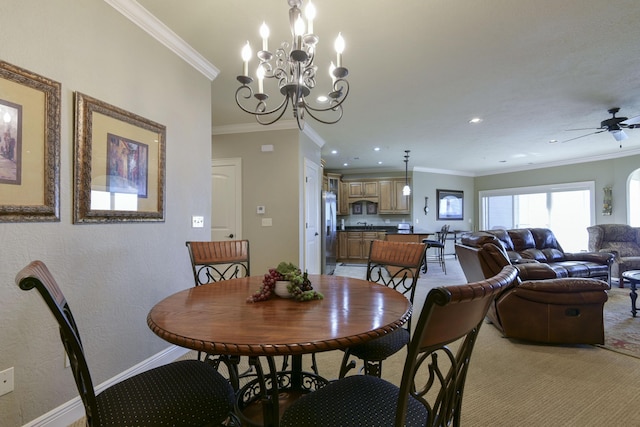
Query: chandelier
point(292, 68)
point(406, 190)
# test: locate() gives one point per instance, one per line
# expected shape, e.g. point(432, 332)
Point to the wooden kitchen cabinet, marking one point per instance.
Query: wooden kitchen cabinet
point(354, 245)
point(363, 189)
point(333, 183)
point(343, 199)
point(342, 245)
point(391, 200)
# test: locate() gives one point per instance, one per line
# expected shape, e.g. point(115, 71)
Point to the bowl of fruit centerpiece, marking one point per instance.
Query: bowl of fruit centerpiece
point(285, 281)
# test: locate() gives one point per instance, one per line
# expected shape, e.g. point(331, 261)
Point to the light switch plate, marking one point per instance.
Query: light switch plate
point(6, 381)
point(267, 222)
point(197, 222)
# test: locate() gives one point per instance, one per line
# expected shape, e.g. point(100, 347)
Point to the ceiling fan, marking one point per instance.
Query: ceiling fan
point(614, 125)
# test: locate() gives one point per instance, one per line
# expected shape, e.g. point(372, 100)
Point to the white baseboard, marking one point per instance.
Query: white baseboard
point(73, 410)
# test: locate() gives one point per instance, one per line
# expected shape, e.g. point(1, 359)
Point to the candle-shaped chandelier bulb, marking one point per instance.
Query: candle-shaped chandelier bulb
point(246, 57)
point(339, 46)
point(406, 190)
point(264, 33)
point(292, 66)
point(310, 14)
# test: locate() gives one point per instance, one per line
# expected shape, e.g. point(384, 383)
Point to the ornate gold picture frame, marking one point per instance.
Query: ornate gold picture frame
point(119, 168)
point(29, 146)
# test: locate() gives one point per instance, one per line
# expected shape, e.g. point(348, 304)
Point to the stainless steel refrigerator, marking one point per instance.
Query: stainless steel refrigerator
point(329, 234)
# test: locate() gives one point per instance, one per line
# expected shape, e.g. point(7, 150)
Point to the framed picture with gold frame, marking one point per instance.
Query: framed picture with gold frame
point(119, 165)
point(29, 146)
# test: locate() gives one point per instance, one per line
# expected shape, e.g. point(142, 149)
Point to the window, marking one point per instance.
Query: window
point(567, 209)
point(634, 198)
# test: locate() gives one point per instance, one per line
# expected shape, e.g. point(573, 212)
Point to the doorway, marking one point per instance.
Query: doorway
point(226, 199)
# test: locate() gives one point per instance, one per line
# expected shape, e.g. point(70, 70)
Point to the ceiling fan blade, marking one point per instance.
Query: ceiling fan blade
point(582, 136)
point(632, 121)
point(583, 129)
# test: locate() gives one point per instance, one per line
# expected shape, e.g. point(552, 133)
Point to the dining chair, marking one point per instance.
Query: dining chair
point(213, 261)
point(395, 265)
point(435, 369)
point(439, 246)
point(183, 393)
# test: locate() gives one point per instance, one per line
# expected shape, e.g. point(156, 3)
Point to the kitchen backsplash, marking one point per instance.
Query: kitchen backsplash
point(368, 212)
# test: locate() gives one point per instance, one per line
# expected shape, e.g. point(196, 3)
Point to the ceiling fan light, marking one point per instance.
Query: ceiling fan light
point(619, 135)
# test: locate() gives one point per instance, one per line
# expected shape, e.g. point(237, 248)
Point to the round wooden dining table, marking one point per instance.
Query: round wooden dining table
point(217, 319)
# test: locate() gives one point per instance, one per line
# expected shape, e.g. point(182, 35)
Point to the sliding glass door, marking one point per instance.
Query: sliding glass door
point(567, 209)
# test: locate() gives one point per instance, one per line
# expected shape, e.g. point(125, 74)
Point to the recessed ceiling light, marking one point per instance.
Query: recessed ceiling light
point(553, 141)
point(345, 164)
point(475, 120)
point(503, 161)
point(323, 99)
point(376, 149)
point(334, 151)
point(379, 163)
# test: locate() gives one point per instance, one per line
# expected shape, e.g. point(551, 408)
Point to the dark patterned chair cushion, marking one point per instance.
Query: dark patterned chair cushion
point(166, 394)
point(355, 401)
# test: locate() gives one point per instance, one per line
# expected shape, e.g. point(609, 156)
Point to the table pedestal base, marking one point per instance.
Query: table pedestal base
point(262, 401)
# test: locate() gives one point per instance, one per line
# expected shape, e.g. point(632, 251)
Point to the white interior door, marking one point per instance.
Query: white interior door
point(226, 199)
point(312, 217)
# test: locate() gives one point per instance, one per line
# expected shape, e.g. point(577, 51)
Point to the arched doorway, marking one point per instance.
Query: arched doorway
point(633, 197)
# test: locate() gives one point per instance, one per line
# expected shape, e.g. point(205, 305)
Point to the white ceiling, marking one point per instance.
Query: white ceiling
point(419, 70)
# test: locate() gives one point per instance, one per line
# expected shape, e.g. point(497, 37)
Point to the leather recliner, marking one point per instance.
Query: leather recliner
point(539, 307)
point(539, 245)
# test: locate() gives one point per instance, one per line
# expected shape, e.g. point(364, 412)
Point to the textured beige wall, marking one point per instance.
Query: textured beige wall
point(269, 179)
point(111, 274)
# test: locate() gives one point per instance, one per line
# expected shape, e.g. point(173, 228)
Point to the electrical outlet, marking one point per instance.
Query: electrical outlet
point(197, 222)
point(6, 381)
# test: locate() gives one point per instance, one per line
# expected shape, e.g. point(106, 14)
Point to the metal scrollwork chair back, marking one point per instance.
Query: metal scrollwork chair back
point(215, 261)
point(395, 265)
point(435, 369)
point(187, 392)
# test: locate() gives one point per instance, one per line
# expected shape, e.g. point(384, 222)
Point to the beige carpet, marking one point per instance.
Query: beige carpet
point(622, 330)
point(513, 383)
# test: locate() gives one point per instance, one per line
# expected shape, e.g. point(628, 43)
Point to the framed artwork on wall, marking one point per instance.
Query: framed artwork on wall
point(29, 146)
point(119, 164)
point(356, 208)
point(450, 205)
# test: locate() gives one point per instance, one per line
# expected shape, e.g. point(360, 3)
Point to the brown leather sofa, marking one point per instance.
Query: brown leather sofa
point(539, 245)
point(539, 307)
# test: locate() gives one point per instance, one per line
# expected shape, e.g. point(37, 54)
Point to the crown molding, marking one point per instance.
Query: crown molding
point(140, 16)
point(609, 156)
point(313, 135)
point(253, 127)
point(443, 171)
point(257, 127)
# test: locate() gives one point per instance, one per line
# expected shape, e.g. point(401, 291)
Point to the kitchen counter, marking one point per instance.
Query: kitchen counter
point(372, 228)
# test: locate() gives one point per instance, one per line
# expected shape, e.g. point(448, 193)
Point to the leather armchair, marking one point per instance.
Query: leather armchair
point(539, 307)
point(623, 241)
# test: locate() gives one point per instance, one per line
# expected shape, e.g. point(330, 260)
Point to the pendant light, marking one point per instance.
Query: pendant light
point(406, 190)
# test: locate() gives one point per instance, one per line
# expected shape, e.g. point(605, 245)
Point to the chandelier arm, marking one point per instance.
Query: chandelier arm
point(282, 107)
point(257, 111)
point(337, 108)
point(337, 102)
